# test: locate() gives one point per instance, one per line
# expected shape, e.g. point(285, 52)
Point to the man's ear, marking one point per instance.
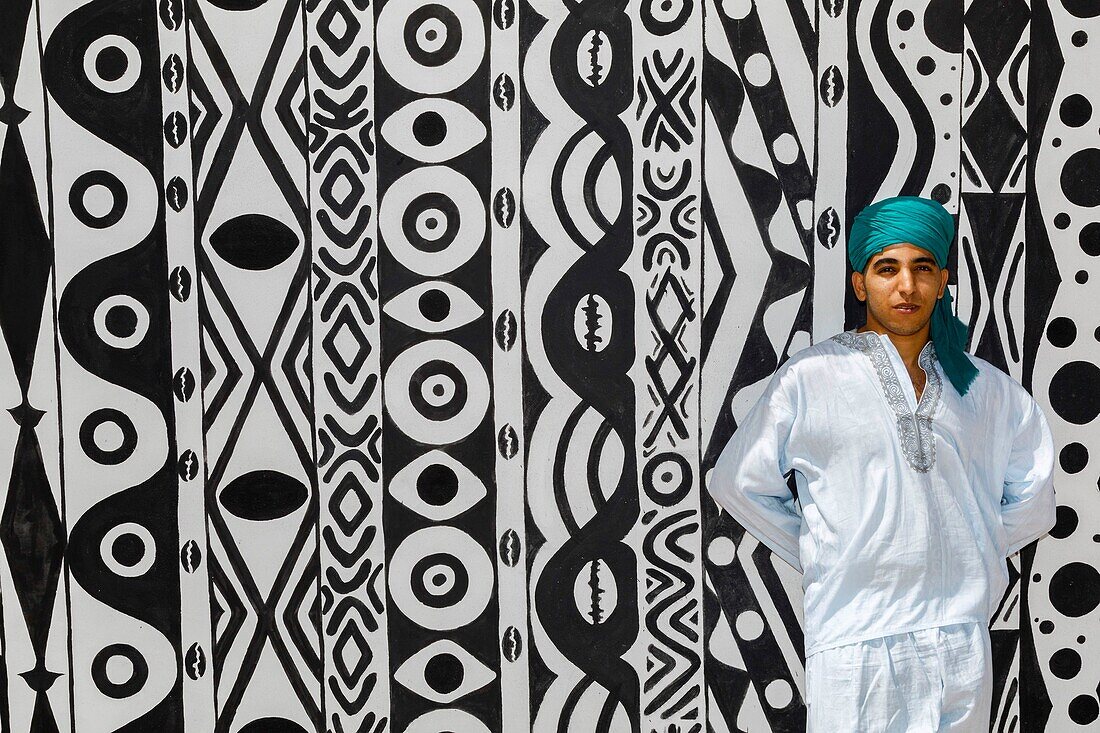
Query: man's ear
point(859, 286)
point(943, 281)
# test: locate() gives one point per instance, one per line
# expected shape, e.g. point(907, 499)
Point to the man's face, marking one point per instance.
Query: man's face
point(900, 286)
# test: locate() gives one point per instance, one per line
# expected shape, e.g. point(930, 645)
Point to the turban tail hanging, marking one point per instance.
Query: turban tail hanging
point(926, 224)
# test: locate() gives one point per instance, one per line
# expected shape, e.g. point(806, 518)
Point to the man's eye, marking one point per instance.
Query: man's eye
point(883, 270)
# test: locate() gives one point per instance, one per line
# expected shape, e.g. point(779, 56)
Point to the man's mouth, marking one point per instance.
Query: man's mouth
point(907, 307)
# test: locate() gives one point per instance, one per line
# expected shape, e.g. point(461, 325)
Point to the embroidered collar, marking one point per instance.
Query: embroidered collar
point(914, 429)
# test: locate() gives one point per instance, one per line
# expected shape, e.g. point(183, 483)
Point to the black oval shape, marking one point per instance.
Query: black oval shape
point(175, 129)
point(828, 228)
point(504, 92)
point(833, 7)
point(172, 73)
point(506, 330)
point(171, 14)
point(190, 556)
point(831, 86)
point(272, 725)
point(261, 496)
point(195, 661)
point(188, 465)
point(254, 242)
point(175, 193)
point(511, 644)
point(504, 14)
point(183, 384)
point(504, 207)
point(179, 283)
point(510, 546)
point(507, 442)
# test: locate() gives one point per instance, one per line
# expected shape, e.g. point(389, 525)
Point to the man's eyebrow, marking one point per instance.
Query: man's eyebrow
point(916, 260)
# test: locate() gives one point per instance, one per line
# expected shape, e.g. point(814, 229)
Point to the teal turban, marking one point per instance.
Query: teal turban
point(925, 224)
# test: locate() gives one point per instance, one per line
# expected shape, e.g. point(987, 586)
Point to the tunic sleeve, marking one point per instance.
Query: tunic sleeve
point(747, 481)
point(1028, 501)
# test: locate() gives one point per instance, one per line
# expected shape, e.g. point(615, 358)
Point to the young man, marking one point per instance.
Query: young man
point(919, 469)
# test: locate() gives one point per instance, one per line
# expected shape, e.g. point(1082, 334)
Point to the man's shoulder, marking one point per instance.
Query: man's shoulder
point(816, 356)
point(995, 384)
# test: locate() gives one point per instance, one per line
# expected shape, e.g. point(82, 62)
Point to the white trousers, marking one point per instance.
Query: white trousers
point(931, 680)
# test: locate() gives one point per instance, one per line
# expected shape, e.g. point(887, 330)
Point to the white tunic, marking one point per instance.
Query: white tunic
point(906, 511)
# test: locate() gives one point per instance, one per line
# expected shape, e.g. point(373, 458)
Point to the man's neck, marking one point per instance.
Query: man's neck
point(909, 347)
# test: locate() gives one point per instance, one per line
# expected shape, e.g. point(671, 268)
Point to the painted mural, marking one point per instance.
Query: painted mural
point(364, 360)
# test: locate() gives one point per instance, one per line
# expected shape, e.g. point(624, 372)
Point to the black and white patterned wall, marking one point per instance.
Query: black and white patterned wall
point(364, 360)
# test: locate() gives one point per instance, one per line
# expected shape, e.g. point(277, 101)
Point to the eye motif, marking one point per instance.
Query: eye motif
point(437, 486)
point(433, 130)
point(434, 307)
point(443, 672)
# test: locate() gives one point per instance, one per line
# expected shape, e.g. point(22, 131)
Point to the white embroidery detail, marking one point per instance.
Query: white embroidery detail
point(914, 430)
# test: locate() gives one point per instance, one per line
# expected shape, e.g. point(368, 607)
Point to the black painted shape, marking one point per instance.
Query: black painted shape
point(128, 119)
point(995, 28)
point(994, 136)
point(943, 24)
point(254, 242)
point(13, 30)
point(263, 495)
point(26, 255)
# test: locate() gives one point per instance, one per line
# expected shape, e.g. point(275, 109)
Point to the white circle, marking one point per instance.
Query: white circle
point(457, 544)
point(471, 219)
point(431, 224)
point(98, 200)
point(758, 70)
point(142, 566)
point(129, 75)
point(440, 721)
point(785, 148)
point(443, 586)
point(721, 550)
point(108, 436)
point(119, 669)
point(737, 9)
point(779, 694)
point(431, 44)
point(410, 73)
point(749, 625)
point(438, 390)
point(421, 427)
point(141, 327)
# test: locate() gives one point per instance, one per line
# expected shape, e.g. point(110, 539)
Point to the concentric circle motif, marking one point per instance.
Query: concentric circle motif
point(441, 578)
point(119, 671)
point(128, 550)
point(428, 46)
point(98, 199)
point(121, 321)
point(433, 220)
point(112, 64)
point(437, 392)
point(108, 436)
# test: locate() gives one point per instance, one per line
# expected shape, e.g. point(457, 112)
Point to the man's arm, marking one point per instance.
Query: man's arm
point(1028, 502)
point(747, 481)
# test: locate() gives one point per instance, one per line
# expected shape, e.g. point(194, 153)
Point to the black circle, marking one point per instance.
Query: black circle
point(108, 457)
point(440, 368)
point(429, 128)
point(1061, 332)
point(1075, 110)
point(420, 580)
point(926, 65)
point(121, 321)
point(128, 549)
point(1081, 277)
point(1073, 393)
point(1046, 627)
point(451, 44)
point(1036, 578)
point(110, 63)
point(119, 690)
point(665, 495)
point(118, 199)
point(1080, 177)
point(905, 20)
point(434, 305)
point(437, 484)
point(1075, 589)
point(1082, 8)
point(1073, 458)
point(1079, 38)
point(425, 202)
point(1083, 709)
point(1065, 663)
point(945, 99)
point(1061, 220)
point(444, 673)
point(1056, 142)
point(1065, 524)
point(941, 192)
point(1090, 238)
